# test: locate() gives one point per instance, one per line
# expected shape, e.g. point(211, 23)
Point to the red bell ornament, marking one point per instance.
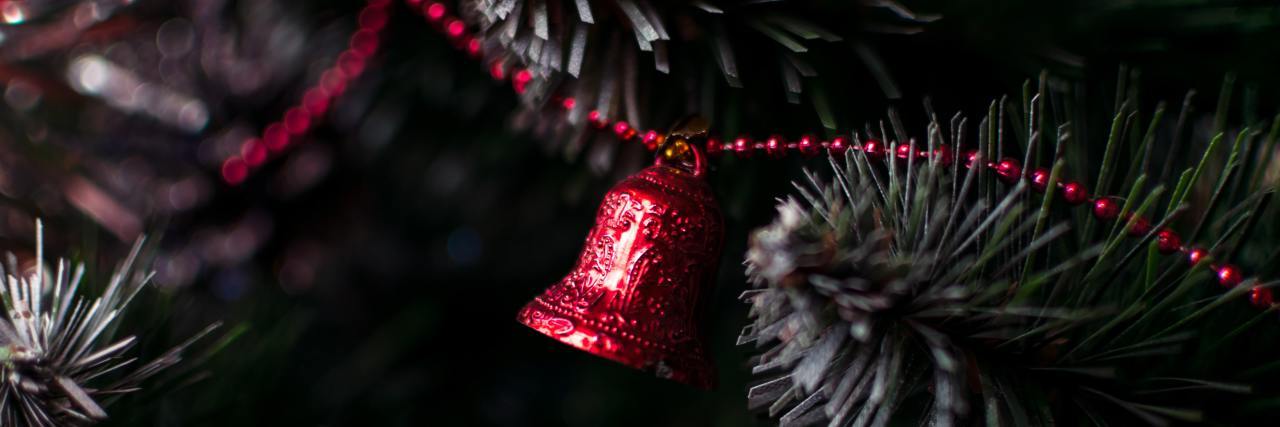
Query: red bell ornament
point(638, 293)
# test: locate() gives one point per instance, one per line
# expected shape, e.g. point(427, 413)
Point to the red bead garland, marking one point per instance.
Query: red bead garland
point(299, 119)
point(1007, 170)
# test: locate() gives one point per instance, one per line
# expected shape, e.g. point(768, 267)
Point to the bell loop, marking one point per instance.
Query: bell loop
point(680, 147)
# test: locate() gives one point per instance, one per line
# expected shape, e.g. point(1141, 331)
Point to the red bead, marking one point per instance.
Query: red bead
point(774, 147)
point(521, 80)
point(624, 131)
point(903, 151)
point(1106, 208)
point(806, 146)
point(944, 155)
point(742, 147)
point(455, 28)
point(1229, 276)
point(473, 46)
point(253, 152)
point(497, 71)
point(597, 119)
point(435, 11)
point(234, 170)
point(1074, 193)
point(970, 157)
point(873, 148)
point(276, 137)
point(1139, 226)
point(364, 43)
point(621, 127)
point(1008, 170)
point(650, 138)
point(568, 103)
point(1168, 242)
point(351, 64)
point(714, 147)
point(333, 81)
point(316, 101)
point(838, 145)
point(1040, 179)
point(1195, 255)
point(373, 18)
point(1260, 296)
point(297, 121)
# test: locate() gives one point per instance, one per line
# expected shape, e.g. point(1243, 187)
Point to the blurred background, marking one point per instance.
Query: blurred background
point(371, 273)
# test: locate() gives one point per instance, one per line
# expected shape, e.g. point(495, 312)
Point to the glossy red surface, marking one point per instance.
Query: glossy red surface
point(1009, 171)
point(637, 293)
point(1106, 208)
point(1229, 276)
point(1074, 193)
point(1261, 297)
point(1040, 179)
point(1168, 241)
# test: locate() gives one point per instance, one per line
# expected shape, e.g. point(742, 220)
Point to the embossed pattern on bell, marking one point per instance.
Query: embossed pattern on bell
point(636, 293)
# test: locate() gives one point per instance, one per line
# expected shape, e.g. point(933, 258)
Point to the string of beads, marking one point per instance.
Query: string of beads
point(297, 120)
point(1008, 170)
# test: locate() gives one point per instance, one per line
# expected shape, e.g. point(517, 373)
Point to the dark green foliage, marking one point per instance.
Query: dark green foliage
point(917, 291)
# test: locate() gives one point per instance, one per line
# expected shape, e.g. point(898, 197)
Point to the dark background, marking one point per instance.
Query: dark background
point(387, 288)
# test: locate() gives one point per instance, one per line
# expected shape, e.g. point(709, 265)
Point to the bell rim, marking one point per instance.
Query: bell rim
point(694, 369)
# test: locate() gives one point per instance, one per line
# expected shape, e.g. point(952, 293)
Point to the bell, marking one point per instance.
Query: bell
point(638, 292)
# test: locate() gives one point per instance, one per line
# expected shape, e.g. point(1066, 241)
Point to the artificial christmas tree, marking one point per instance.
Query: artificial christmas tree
point(349, 186)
